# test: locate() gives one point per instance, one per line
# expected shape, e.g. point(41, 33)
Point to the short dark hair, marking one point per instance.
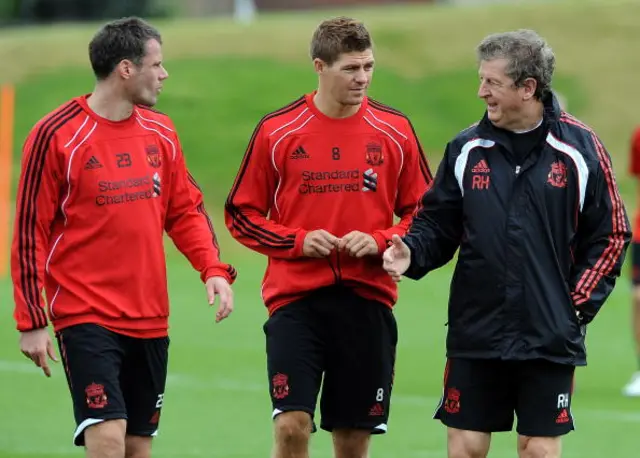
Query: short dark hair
point(337, 36)
point(528, 56)
point(117, 40)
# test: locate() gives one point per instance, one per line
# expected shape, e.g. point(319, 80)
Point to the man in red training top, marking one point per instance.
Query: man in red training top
point(632, 388)
point(316, 192)
point(103, 176)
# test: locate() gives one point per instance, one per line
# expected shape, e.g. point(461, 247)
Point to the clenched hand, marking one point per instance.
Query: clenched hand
point(218, 286)
point(319, 244)
point(358, 244)
point(36, 345)
point(397, 258)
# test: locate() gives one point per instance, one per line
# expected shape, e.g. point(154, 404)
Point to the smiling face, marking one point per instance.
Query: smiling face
point(347, 79)
point(505, 101)
point(516, 71)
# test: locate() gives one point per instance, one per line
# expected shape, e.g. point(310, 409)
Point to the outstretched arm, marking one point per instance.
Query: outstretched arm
point(436, 229)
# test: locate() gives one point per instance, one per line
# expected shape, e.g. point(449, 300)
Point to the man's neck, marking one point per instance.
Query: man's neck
point(333, 109)
point(109, 104)
point(531, 119)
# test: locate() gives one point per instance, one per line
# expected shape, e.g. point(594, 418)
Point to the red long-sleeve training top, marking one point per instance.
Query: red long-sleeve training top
point(634, 170)
point(94, 200)
point(305, 171)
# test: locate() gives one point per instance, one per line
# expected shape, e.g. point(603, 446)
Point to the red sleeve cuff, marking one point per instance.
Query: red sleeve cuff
point(225, 271)
point(298, 245)
point(27, 327)
point(381, 240)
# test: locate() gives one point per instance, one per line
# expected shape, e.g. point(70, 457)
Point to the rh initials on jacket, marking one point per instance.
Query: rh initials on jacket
point(541, 242)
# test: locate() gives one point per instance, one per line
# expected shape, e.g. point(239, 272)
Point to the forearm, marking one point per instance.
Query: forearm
point(262, 235)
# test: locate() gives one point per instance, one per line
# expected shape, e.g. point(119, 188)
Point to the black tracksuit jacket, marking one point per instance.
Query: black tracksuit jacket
point(541, 242)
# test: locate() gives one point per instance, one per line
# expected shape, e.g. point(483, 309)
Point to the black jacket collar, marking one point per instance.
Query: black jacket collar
point(551, 115)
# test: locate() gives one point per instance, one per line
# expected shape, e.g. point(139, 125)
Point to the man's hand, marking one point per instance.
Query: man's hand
point(36, 345)
point(319, 244)
point(358, 244)
point(219, 286)
point(397, 258)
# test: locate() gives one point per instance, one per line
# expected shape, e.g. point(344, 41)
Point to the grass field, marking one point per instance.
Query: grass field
point(224, 77)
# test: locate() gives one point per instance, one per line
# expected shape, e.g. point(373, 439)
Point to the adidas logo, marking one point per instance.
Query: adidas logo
point(376, 411)
point(92, 163)
point(300, 153)
point(481, 167)
point(563, 416)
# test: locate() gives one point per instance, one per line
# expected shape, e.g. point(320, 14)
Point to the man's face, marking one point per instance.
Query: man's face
point(504, 100)
point(145, 83)
point(348, 78)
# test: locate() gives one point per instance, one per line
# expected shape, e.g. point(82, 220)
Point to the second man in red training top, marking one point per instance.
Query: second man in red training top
point(317, 192)
point(103, 177)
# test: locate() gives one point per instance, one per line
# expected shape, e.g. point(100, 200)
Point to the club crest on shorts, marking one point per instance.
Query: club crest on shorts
point(558, 175)
point(153, 156)
point(373, 154)
point(96, 397)
point(155, 418)
point(452, 402)
point(280, 384)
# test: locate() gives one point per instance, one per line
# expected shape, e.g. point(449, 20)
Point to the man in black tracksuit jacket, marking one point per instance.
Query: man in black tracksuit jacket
point(529, 197)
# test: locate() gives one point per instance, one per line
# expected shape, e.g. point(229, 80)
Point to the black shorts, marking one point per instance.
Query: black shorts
point(113, 376)
point(348, 339)
point(635, 263)
point(483, 395)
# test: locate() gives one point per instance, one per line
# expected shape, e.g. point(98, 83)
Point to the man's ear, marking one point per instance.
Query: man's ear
point(319, 65)
point(530, 85)
point(125, 68)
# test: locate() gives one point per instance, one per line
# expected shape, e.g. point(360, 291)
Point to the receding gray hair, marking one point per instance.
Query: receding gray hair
point(528, 56)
